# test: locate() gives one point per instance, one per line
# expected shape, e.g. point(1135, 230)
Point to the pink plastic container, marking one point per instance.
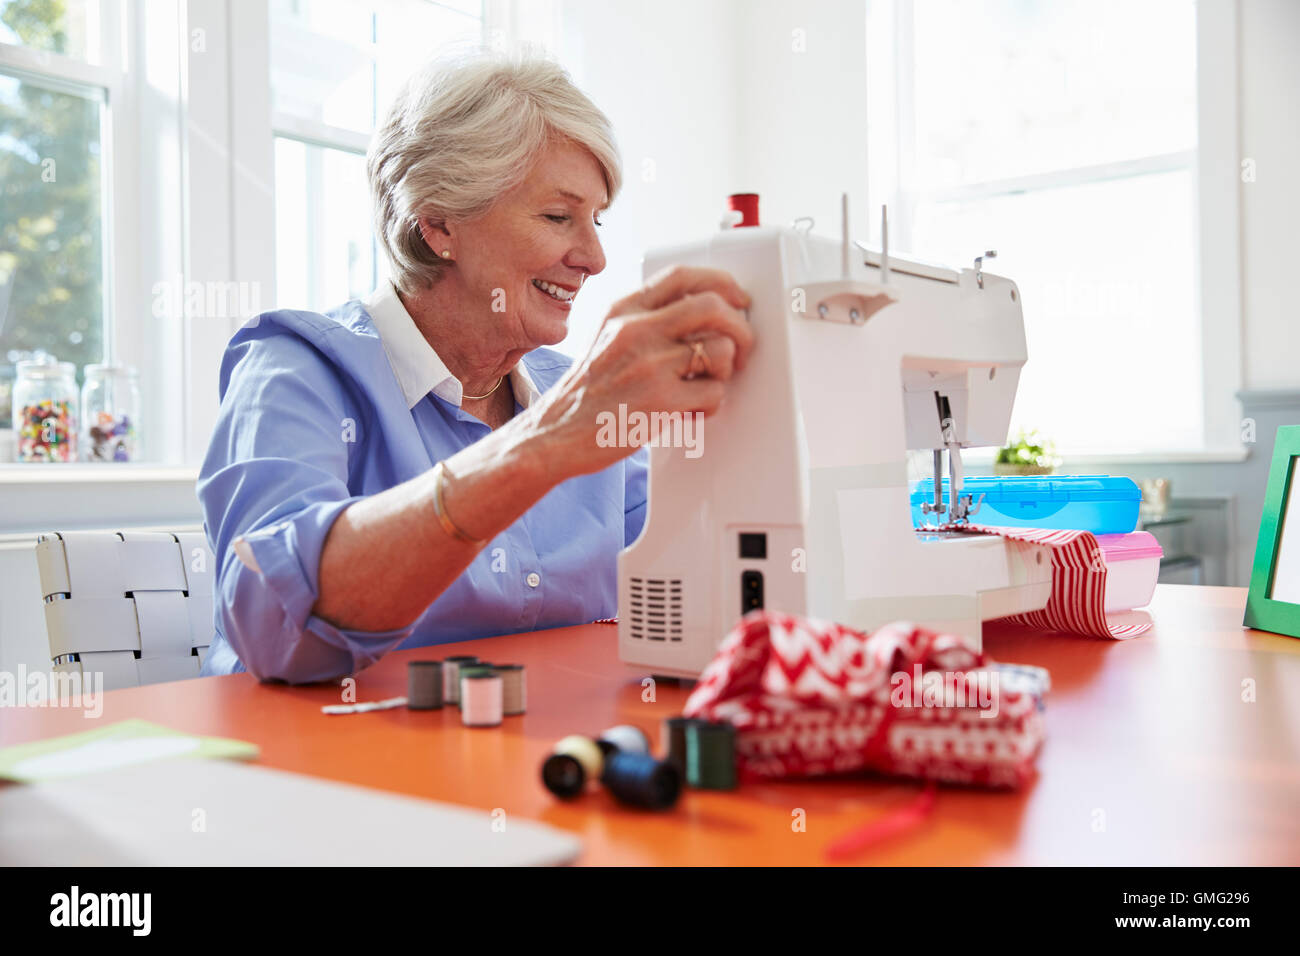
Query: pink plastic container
point(1132, 566)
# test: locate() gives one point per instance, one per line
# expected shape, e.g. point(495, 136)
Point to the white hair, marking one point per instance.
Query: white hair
point(464, 130)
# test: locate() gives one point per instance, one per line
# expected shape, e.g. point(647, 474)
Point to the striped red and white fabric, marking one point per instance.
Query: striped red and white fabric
point(1078, 601)
point(811, 697)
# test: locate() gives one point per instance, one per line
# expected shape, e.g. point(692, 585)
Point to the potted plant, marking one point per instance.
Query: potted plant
point(1029, 454)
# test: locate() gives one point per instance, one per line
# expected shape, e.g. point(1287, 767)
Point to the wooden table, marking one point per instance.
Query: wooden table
point(1153, 754)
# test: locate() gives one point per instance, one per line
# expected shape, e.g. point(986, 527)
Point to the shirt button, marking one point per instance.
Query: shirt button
point(534, 579)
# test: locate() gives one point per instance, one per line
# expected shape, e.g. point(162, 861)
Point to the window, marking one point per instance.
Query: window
point(53, 178)
point(195, 156)
point(335, 66)
point(52, 263)
point(1064, 136)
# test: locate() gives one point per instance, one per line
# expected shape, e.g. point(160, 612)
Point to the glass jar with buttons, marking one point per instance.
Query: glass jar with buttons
point(110, 410)
point(45, 410)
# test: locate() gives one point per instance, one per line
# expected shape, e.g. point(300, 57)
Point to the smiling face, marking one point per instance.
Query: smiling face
point(524, 260)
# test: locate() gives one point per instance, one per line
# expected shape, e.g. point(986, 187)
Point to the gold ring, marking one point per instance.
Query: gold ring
point(699, 361)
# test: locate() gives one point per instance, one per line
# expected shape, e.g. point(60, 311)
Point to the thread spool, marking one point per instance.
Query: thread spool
point(451, 677)
point(711, 756)
point(675, 735)
point(480, 704)
point(747, 205)
point(640, 780)
point(514, 689)
point(470, 670)
point(424, 685)
point(572, 762)
point(623, 739)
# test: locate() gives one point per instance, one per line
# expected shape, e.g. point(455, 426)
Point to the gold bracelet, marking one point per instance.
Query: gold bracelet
point(440, 510)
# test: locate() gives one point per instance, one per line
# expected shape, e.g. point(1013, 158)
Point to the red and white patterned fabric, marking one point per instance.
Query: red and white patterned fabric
point(810, 697)
point(1078, 601)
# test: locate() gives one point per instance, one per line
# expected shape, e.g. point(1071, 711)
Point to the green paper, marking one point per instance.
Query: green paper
point(121, 744)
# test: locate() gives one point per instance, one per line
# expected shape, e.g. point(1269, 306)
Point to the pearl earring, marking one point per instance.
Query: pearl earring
point(446, 253)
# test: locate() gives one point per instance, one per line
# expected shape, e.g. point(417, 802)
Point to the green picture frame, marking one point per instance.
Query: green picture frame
point(1263, 611)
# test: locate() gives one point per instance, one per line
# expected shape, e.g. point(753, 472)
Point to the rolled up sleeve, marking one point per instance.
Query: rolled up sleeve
point(634, 507)
point(276, 477)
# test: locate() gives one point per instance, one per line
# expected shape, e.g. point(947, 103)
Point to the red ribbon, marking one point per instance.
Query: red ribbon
point(891, 824)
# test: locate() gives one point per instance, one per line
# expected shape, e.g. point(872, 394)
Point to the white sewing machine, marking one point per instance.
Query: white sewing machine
point(797, 498)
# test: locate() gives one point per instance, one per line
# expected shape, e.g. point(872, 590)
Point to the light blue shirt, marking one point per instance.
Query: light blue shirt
point(319, 411)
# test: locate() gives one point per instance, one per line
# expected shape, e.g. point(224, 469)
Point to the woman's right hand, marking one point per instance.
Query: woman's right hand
point(641, 358)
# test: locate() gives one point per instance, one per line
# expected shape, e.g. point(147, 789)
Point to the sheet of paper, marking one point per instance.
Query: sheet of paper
point(121, 744)
point(223, 813)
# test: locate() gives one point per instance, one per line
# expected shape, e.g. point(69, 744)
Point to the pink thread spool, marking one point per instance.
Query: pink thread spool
point(481, 699)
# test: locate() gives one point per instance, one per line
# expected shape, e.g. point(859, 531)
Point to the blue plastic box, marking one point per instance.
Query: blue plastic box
point(1102, 504)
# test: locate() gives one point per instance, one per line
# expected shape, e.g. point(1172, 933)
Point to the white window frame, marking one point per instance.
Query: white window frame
point(891, 142)
point(499, 20)
point(118, 122)
point(205, 187)
point(210, 171)
point(311, 132)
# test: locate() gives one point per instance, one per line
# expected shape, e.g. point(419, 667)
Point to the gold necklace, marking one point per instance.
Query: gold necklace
point(485, 394)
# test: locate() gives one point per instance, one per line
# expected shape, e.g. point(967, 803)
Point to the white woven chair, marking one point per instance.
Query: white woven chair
point(135, 606)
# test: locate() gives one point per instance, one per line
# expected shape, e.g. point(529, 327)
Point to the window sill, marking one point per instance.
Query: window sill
point(76, 473)
point(1197, 456)
point(39, 497)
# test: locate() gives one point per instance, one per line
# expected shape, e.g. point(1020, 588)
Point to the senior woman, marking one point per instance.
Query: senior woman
point(419, 468)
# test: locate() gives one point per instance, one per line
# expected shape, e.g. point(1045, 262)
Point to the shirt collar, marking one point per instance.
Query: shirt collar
point(416, 365)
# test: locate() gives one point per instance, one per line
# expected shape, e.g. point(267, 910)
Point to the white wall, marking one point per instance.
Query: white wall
point(802, 87)
point(665, 75)
point(715, 97)
point(1270, 240)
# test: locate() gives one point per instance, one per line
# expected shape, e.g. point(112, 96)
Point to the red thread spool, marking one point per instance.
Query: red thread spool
point(747, 205)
